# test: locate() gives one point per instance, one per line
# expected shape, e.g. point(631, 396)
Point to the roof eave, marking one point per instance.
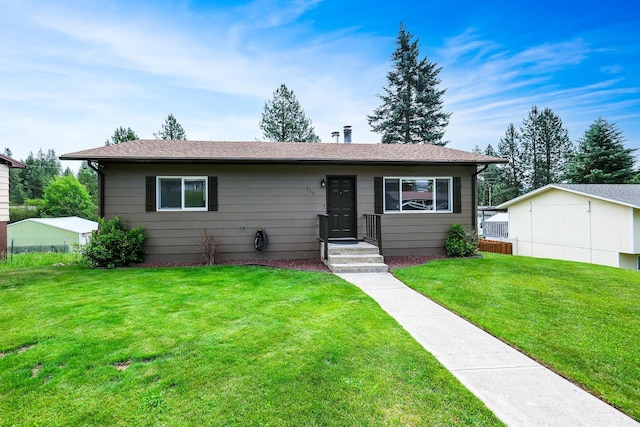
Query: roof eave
point(281, 161)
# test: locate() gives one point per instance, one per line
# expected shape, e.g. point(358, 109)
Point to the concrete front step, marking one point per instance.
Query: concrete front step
point(358, 248)
point(367, 267)
point(356, 259)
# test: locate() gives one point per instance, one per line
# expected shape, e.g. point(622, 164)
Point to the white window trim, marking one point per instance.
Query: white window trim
point(384, 194)
point(182, 208)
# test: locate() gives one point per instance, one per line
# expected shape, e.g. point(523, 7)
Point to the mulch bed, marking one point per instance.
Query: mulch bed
point(311, 264)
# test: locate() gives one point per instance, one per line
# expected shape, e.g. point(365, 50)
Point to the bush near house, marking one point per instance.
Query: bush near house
point(111, 245)
point(461, 242)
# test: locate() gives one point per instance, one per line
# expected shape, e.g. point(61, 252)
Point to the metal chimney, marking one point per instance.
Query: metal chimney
point(347, 134)
point(335, 136)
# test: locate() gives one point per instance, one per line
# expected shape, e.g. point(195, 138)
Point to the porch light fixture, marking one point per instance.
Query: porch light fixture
point(322, 183)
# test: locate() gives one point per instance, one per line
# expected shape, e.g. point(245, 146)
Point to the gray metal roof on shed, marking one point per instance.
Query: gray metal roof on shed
point(69, 223)
point(277, 152)
point(624, 194)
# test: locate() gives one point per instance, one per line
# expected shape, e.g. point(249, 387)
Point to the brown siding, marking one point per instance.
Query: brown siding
point(283, 199)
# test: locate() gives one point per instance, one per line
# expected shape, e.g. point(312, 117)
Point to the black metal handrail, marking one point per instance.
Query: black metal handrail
point(373, 229)
point(323, 232)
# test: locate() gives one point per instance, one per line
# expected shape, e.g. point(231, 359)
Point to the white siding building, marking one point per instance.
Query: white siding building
point(5, 163)
point(594, 223)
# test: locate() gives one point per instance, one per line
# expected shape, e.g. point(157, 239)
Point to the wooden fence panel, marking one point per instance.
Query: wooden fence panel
point(495, 246)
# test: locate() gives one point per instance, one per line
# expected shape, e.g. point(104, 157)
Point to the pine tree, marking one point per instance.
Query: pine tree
point(489, 181)
point(601, 157)
point(411, 110)
point(171, 130)
point(546, 148)
point(121, 135)
point(556, 148)
point(512, 173)
point(284, 120)
point(39, 171)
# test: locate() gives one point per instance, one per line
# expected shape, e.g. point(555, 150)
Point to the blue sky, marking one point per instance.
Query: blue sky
point(73, 71)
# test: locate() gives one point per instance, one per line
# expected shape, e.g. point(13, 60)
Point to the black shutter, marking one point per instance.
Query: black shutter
point(457, 197)
point(151, 194)
point(378, 195)
point(213, 193)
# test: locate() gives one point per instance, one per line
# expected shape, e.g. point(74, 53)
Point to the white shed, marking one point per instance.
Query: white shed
point(594, 223)
point(37, 234)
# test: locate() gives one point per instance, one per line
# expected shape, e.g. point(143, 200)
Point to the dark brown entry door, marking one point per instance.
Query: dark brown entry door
point(341, 207)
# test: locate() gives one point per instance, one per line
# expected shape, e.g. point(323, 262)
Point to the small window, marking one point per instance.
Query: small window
point(182, 193)
point(417, 194)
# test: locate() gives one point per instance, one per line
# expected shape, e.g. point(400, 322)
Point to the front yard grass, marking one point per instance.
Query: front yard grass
point(212, 346)
point(581, 320)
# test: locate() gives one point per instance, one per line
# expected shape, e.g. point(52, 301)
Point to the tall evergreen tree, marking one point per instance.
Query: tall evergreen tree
point(546, 148)
point(411, 110)
point(512, 173)
point(284, 120)
point(601, 157)
point(171, 130)
point(121, 135)
point(555, 146)
point(39, 171)
point(489, 181)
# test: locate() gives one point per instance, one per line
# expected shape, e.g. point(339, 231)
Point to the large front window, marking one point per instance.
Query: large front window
point(182, 193)
point(417, 194)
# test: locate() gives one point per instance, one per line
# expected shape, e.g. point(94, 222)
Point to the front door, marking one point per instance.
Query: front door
point(341, 207)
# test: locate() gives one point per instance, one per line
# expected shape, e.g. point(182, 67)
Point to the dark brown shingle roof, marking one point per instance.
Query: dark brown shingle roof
point(11, 162)
point(276, 152)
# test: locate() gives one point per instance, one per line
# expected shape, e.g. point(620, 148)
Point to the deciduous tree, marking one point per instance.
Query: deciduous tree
point(65, 196)
point(284, 120)
point(412, 106)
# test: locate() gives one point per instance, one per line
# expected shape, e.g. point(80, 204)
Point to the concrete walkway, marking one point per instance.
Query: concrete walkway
point(517, 389)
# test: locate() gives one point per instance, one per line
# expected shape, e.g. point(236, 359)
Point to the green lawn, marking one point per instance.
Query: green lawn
point(212, 346)
point(580, 319)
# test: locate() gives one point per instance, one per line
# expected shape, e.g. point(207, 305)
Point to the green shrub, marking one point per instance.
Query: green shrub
point(461, 242)
point(111, 245)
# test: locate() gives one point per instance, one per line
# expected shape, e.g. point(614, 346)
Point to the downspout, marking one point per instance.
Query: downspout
point(474, 197)
point(100, 187)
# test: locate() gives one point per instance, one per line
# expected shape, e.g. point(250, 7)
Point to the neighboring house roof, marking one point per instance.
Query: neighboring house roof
point(499, 217)
point(11, 162)
point(71, 223)
point(277, 152)
point(622, 194)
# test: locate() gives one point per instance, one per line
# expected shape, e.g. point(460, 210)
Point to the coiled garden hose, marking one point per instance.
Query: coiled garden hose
point(261, 241)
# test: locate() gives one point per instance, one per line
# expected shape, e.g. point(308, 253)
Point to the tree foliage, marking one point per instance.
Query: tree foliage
point(601, 157)
point(512, 175)
point(40, 170)
point(65, 196)
point(538, 154)
point(89, 178)
point(121, 135)
point(411, 109)
point(112, 245)
point(284, 120)
point(171, 130)
point(546, 148)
